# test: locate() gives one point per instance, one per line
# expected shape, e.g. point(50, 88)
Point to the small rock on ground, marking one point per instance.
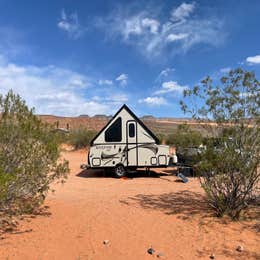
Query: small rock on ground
point(106, 242)
point(240, 248)
point(160, 255)
point(150, 251)
point(212, 256)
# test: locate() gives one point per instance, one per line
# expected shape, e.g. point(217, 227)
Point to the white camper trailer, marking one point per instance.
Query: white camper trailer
point(125, 143)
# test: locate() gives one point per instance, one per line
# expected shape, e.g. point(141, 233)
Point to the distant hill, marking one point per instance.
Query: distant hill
point(97, 122)
point(147, 117)
point(83, 115)
point(100, 116)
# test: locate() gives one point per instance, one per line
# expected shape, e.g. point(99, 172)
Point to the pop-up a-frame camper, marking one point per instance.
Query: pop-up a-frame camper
point(125, 143)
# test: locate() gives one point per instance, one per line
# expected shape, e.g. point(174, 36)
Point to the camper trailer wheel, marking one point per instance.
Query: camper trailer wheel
point(120, 171)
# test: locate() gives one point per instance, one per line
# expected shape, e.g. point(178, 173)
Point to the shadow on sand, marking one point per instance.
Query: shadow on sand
point(184, 203)
point(231, 254)
point(9, 225)
point(90, 173)
point(99, 173)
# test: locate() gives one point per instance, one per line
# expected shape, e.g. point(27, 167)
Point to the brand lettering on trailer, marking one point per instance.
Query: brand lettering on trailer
point(104, 147)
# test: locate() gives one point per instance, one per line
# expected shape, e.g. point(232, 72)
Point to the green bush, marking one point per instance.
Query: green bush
point(161, 137)
point(184, 137)
point(229, 167)
point(81, 137)
point(29, 157)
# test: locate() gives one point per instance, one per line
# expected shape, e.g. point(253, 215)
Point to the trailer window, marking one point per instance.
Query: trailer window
point(114, 132)
point(131, 130)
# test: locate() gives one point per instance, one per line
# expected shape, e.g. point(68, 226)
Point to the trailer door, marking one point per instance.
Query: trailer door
point(131, 143)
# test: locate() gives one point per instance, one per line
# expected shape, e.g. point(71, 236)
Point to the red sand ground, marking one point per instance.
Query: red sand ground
point(132, 214)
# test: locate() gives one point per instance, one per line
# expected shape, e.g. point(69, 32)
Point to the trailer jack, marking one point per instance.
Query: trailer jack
point(84, 166)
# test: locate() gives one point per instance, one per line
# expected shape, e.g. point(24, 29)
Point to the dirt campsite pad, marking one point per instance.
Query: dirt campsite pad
point(97, 217)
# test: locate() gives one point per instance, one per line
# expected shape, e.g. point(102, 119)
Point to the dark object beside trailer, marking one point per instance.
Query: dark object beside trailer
point(182, 177)
point(186, 170)
point(188, 158)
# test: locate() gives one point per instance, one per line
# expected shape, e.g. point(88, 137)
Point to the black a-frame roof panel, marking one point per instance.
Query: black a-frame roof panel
point(135, 117)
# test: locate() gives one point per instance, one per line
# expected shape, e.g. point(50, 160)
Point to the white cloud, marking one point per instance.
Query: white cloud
point(136, 25)
point(253, 60)
point(176, 37)
point(207, 31)
point(225, 70)
point(153, 36)
point(170, 87)
point(116, 99)
point(153, 101)
point(152, 24)
point(183, 11)
point(78, 82)
point(58, 91)
point(165, 73)
point(132, 26)
point(122, 79)
point(70, 24)
point(105, 82)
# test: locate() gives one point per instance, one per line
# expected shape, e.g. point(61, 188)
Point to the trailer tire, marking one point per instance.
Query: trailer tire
point(120, 171)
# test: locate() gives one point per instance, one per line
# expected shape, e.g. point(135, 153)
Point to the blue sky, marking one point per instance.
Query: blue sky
point(90, 57)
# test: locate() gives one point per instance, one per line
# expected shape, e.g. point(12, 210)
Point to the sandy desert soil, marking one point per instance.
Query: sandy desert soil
point(132, 214)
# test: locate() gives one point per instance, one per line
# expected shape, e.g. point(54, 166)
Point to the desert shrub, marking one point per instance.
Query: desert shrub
point(29, 157)
point(229, 172)
point(81, 137)
point(184, 137)
point(229, 167)
point(62, 137)
point(161, 137)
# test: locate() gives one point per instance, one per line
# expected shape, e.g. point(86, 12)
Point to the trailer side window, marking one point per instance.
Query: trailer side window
point(131, 130)
point(114, 132)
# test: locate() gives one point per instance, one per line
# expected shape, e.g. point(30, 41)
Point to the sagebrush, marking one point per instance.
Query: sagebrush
point(81, 138)
point(29, 157)
point(229, 167)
